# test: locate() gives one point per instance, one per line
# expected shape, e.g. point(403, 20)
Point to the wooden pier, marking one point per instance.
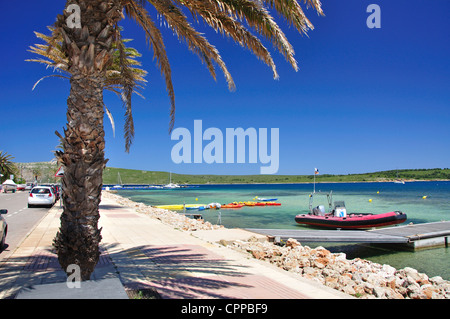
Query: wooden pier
point(412, 236)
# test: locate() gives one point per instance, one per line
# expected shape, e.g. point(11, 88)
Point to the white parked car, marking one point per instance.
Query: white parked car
point(41, 195)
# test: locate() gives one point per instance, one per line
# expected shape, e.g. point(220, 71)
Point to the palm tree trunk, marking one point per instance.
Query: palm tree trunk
point(89, 49)
point(77, 241)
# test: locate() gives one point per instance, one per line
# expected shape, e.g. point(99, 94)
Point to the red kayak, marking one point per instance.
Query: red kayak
point(352, 221)
point(273, 204)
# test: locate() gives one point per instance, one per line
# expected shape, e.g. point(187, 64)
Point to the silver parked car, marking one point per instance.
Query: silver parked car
point(41, 195)
point(3, 228)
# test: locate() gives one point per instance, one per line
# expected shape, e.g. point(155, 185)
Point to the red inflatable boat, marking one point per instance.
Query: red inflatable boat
point(352, 221)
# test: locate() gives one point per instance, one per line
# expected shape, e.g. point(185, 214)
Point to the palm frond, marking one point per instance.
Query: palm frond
point(7, 167)
point(316, 4)
point(214, 14)
point(293, 13)
point(111, 120)
point(48, 76)
point(127, 83)
point(259, 19)
point(197, 43)
point(136, 11)
point(123, 76)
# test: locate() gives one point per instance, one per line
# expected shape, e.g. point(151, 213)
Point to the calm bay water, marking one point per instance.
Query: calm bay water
point(294, 199)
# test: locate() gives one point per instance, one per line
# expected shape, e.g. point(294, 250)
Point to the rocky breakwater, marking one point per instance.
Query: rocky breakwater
point(174, 219)
point(357, 277)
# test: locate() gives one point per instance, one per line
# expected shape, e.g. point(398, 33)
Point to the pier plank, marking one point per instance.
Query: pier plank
point(343, 236)
point(434, 229)
point(390, 235)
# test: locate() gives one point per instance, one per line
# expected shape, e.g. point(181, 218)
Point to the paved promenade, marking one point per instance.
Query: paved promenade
point(144, 253)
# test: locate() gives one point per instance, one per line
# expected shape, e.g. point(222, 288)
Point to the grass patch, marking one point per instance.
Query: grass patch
point(143, 294)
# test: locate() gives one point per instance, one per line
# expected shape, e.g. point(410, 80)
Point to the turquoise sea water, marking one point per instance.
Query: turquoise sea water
point(294, 199)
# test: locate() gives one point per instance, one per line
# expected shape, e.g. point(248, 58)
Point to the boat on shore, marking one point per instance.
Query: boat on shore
point(338, 217)
point(9, 185)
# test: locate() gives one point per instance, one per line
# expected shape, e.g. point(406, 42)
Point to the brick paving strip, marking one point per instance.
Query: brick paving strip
point(192, 271)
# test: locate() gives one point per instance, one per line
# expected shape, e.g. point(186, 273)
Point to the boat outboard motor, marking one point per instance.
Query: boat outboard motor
point(319, 210)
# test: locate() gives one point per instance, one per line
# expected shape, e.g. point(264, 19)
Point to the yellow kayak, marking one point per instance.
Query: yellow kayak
point(250, 203)
point(178, 207)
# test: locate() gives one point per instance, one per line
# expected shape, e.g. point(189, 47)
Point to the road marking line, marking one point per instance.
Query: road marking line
point(11, 214)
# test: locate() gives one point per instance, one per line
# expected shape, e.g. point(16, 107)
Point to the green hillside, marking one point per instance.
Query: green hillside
point(129, 176)
point(45, 172)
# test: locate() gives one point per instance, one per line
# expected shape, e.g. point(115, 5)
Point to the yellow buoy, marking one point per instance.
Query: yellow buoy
point(370, 200)
point(378, 192)
point(196, 199)
point(424, 197)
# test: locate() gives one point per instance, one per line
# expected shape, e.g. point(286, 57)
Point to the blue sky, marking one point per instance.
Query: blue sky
point(363, 100)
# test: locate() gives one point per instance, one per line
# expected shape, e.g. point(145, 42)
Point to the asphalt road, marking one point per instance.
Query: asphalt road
point(21, 219)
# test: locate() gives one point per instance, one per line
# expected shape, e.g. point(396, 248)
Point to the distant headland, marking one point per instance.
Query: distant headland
point(45, 172)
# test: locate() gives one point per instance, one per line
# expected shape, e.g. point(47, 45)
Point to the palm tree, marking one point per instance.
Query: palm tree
point(57, 59)
point(7, 167)
point(90, 50)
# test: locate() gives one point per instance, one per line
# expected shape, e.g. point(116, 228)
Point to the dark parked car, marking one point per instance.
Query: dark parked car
point(3, 228)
